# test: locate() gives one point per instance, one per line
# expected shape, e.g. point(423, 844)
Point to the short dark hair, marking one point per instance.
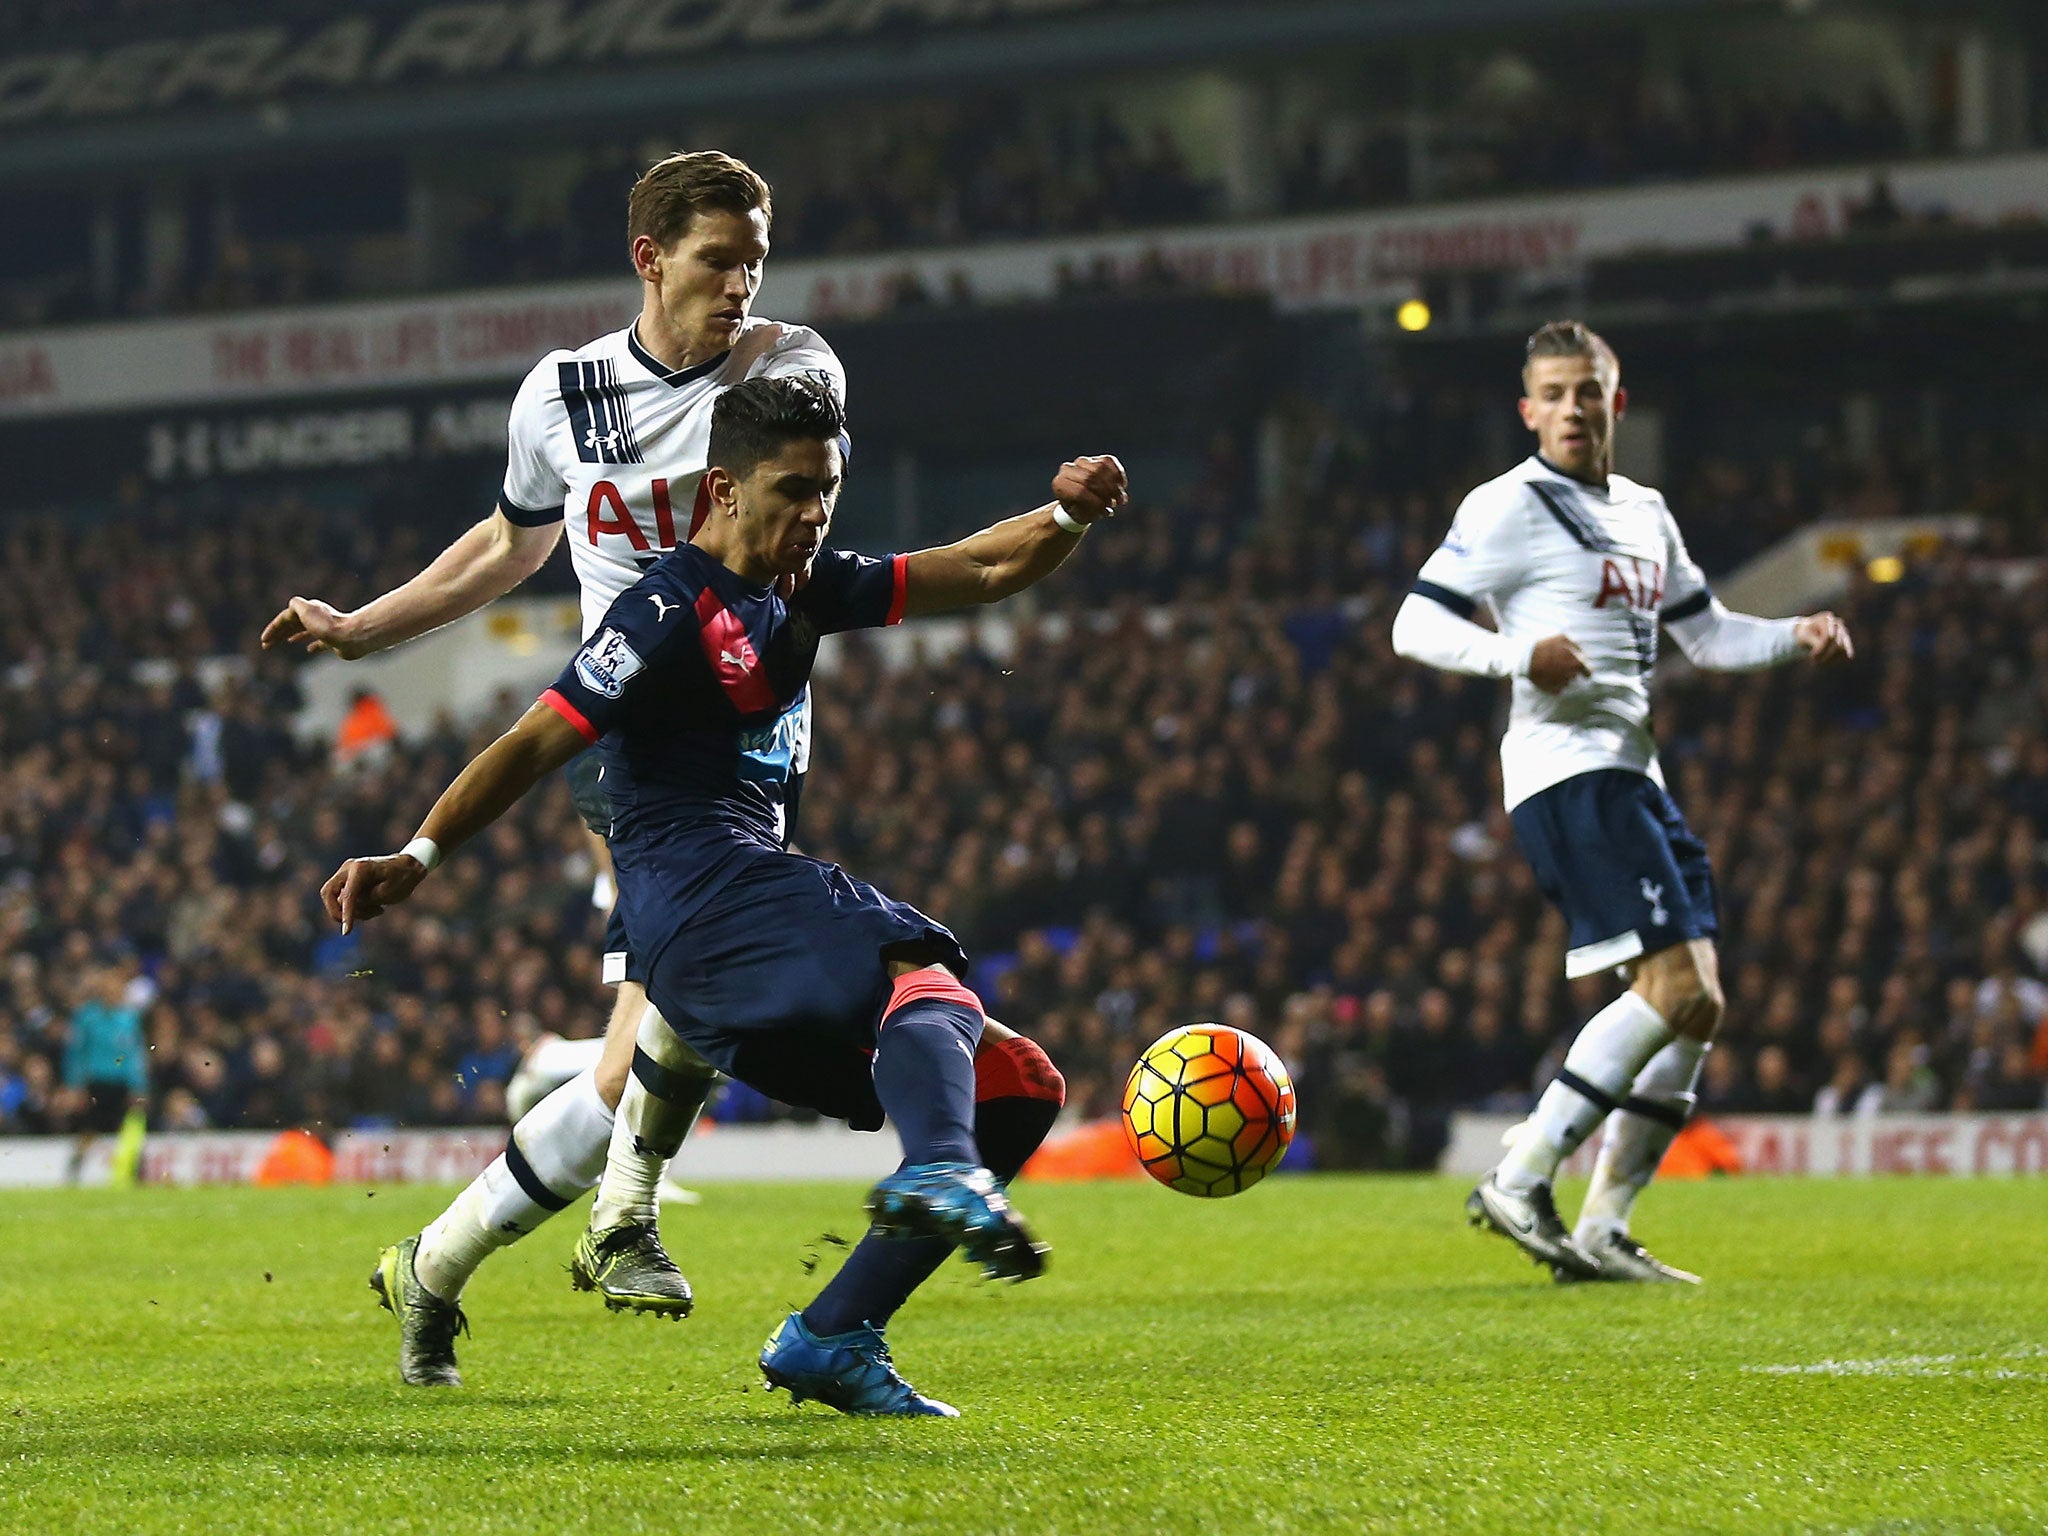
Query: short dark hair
point(1569, 338)
point(753, 419)
point(673, 191)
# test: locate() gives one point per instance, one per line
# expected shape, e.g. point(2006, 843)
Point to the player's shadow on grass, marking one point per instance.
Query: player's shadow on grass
point(737, 1439)
point(323, 1426)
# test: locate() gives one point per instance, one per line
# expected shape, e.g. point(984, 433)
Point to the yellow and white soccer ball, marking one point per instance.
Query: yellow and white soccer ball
point(1209, 1110)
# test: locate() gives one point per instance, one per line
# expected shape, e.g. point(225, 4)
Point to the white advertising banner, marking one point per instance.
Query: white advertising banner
point(1827, 1146)
point(1328, 261)
point(716, 1154)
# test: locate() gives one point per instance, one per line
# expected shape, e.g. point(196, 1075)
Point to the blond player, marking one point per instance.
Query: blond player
point(1581, 570)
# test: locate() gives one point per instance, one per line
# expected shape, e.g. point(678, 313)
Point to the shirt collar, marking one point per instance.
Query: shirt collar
point(1604, 487)
point(717, 571)
point(675, 378)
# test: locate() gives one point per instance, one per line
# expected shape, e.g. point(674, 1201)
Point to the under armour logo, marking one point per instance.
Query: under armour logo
point(733, 660)
point(1654, 895)
point(608, 441)
point(661, 606)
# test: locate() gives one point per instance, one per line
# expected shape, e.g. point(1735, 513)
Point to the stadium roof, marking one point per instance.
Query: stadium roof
point(292, 77)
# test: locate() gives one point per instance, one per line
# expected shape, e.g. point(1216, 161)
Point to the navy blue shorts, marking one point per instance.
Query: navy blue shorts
point(1611, 850)
point(780, 979)
point(592, 803)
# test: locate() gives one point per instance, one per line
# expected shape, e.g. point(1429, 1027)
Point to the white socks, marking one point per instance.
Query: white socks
point(1639, 1134)
point(663, 1098)
point(463, 1236)
point(1598, 1071)
point(556, 1152)
point(563, 1059)
point(551, 1063)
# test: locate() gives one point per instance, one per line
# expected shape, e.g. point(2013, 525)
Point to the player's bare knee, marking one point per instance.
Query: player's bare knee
point(613, 1065)
point(1698, 1014)
point(610, 1078)
point(616, 1060)
point(1683, 990)
point(1691, 1007)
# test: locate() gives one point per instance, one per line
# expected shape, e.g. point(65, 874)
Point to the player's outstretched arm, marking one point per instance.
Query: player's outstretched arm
point(501, 774)
point(1716, 640)
point(1004, 559)
point(483, 564)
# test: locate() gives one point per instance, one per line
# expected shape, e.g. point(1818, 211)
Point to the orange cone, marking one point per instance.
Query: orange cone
point(1699, 1150)
point(296, 1157)
point(1096, 1150)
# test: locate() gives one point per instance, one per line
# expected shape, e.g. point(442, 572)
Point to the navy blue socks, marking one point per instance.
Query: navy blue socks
point(1021, 1095)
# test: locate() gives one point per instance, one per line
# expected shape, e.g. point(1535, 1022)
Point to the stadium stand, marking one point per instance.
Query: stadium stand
point(1654, 102)
point(1246, 807)
point(1251, 810)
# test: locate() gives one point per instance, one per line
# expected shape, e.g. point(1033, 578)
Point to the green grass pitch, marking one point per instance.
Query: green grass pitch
point(1321, 1354)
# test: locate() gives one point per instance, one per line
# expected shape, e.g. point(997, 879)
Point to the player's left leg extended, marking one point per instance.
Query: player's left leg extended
point(1684, 985)
point(555, 1152)
point(1017, 1096)
point(833, 1350)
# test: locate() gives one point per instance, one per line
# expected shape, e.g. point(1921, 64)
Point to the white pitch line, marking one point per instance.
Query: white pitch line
point(1964, 1367)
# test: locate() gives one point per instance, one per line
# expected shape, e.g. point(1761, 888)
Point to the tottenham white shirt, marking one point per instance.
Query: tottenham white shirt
point(614, 444)
point(1550, 555)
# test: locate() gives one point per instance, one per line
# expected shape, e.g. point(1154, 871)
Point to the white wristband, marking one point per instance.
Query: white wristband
point(1072, 525)
point(425, 849)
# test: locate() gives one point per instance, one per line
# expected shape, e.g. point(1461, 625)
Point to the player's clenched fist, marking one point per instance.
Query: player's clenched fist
point(1825, 637)
point(363, 888)
point(1091, 488)
point(1556, 663)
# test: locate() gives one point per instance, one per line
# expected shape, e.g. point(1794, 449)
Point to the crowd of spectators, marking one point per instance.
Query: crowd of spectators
point(1250, 809)
point(178, 580)
point(1614, 130)
point(161, 845)
point(1680, 128)
point(1195, 783)
point(955, 171)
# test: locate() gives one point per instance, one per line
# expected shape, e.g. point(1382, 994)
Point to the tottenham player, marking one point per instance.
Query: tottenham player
point(608, 441)
point(1580, 569)
point(785, 972)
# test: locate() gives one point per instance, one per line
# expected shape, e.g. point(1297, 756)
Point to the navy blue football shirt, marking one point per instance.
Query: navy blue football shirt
point(696, 687)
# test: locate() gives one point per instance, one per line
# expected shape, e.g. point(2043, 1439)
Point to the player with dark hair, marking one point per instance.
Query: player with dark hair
point(1582, 569)
point(783, 971)
point(607, 441)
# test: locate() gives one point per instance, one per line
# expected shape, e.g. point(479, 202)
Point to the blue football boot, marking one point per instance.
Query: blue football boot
point(851, 1371)
point(962, 1203)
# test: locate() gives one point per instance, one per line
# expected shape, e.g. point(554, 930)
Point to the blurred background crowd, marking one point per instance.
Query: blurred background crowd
point(1468, 117)
point(1187, 778)
point(1197, 783)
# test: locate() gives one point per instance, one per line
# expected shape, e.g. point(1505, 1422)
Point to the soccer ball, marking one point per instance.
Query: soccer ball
point(1208, 1110)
